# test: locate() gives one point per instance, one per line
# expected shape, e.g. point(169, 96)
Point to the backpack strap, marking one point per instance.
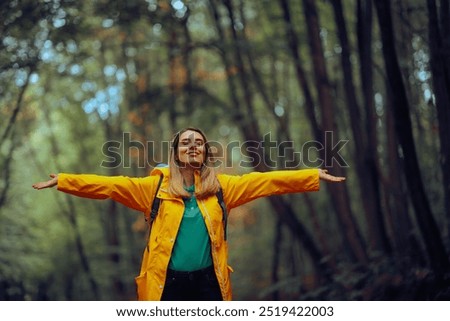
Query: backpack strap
point(219, 195)
point(154, 210)
point(156, 202)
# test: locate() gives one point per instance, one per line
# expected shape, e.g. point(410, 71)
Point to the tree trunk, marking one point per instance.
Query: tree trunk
point(69, 210)
point(350, 239)
point(403, 236)
point(269, 102)
point(293, 43)
point(427, 224)
point(365, 140)
point(250, 131)
point(440, 66)
point(9, 133)
point(338, 192)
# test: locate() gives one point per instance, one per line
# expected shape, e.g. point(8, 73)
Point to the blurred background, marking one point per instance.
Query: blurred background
point(82, 81)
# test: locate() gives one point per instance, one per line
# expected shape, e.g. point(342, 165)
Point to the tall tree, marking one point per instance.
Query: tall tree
point(427, 224)
point(69, 209)
point(439, 28)
point(339, 194)
point(9, 135)
point(365, 140)
point(251, 133)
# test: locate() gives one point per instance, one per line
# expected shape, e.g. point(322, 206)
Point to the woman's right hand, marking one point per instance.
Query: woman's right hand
point(50, 183)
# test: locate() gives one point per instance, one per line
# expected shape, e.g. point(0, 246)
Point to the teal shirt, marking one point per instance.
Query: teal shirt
point(192, 249)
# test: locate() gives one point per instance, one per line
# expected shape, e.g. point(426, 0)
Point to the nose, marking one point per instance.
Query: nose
point(192, 148)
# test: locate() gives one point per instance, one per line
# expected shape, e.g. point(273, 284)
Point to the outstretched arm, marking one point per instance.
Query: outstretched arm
point(50, 183)
point(239, 190)
point(133, 192)
point(323, 175)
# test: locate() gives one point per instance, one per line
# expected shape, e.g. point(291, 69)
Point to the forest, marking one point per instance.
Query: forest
point(358, 87)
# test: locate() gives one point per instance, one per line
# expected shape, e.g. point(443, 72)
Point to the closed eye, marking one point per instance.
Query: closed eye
point(197, 143)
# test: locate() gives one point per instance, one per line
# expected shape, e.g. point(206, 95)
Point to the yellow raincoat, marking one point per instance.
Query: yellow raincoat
point(138, 193)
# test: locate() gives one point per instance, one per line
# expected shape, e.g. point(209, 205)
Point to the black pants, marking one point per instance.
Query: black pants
point(199, 285)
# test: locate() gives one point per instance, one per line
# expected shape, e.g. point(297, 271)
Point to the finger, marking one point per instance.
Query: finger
point(40, 185)
point(335, 178)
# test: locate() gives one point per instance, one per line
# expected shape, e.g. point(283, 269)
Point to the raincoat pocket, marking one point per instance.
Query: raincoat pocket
point(141, 286)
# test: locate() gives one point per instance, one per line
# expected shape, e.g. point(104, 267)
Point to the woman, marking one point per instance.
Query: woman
point(187, 253)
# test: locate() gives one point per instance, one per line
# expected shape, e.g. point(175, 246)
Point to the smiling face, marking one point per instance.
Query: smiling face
point(191, 149)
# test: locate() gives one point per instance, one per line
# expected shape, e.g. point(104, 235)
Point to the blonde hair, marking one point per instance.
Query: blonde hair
point(209, 183)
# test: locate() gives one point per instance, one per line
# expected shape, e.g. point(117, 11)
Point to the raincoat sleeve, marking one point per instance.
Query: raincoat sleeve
point(239, 190)
point(133, 192)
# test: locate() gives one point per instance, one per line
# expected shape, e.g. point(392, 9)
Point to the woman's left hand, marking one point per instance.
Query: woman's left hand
point(323, 175)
